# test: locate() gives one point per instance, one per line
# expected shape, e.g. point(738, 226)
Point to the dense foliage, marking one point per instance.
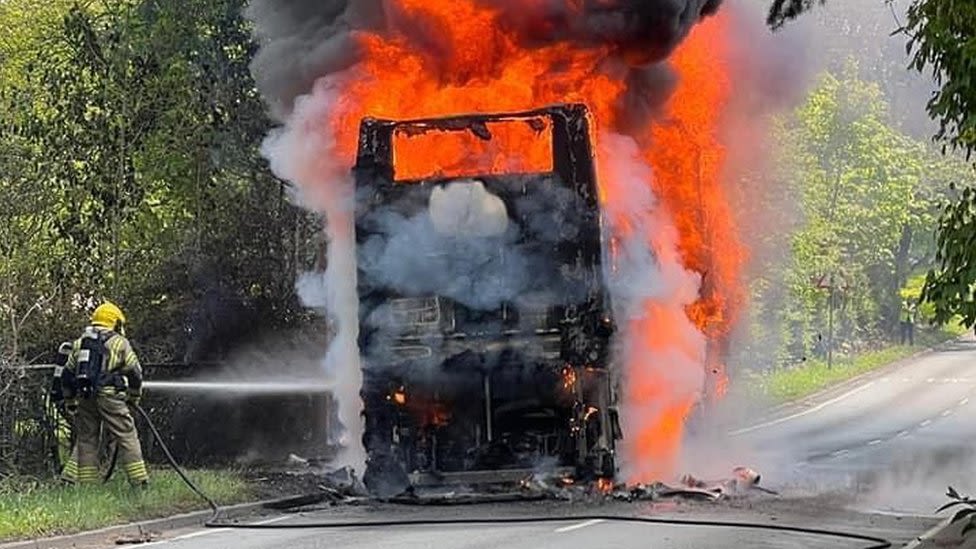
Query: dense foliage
point(864, 199)
point(129, 159)
point(941, 40)
point(130, 170)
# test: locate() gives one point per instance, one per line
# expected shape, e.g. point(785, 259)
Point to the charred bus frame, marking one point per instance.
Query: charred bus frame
point(559, 358)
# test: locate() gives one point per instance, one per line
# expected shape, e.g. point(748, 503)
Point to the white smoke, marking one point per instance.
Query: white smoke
point(462, 245)
point(304, 152)
point(466, 208)
point(659, 349)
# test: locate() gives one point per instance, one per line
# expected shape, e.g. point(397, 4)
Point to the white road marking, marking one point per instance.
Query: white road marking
point(875, 442)
point(937, 380)
point(946, 413)
point(964, 401)
point(273, 520)
point(201, 533)
point(839, 453)
point(902, 434)
point(583, 524)
point(206, 532)
point(817, 408)
point(925, 423)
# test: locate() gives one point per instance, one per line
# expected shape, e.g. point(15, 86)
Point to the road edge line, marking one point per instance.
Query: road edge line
point(796, 405)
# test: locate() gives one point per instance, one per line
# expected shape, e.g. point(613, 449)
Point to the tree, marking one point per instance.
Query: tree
point(864, 196)
point(857, 178)
point(941, 34)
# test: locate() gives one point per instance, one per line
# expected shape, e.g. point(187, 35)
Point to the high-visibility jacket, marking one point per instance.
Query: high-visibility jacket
point(908, 313)
point(121, 370)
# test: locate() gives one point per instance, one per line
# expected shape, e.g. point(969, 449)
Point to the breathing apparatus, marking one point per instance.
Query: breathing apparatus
point(92, 352)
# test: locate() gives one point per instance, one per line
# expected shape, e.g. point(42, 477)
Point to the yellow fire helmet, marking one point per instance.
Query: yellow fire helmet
point(108, 315)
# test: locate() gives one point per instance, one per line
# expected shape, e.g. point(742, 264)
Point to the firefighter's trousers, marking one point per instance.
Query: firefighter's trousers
point(113, 412)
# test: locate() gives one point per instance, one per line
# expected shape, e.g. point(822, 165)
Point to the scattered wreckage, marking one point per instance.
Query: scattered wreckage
point(344, 487)
point(742, 483)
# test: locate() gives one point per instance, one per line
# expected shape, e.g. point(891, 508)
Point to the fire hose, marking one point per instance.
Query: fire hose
point(215, 522)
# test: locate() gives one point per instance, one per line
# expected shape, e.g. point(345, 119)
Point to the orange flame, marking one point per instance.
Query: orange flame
point(478, 68)
point(468, 63)
point(399, 397)
point(515, 147)
point(688, 159)
point(569, 378)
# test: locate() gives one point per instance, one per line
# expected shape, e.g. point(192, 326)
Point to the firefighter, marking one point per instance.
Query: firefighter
point(106, 378)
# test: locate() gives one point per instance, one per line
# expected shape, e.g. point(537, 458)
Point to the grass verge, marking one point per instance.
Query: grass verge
point(31, 509)
point(789, 384)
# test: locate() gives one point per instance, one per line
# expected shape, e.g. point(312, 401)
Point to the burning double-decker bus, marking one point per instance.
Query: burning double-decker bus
point(485, 321)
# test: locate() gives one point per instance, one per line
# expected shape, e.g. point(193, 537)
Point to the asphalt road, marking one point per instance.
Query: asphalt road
point(872, 457)
point(895, 440)
point(573, 533)
point(581, 534)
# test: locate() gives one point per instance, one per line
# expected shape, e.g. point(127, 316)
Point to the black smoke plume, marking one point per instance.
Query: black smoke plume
point(641, 31)
point(304, 40)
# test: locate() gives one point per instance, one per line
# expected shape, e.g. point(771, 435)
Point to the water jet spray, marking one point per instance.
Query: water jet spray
point(241, 387)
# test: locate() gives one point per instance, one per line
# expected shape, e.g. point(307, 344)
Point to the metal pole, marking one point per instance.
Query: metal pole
point(488, 419)
point(830, 323)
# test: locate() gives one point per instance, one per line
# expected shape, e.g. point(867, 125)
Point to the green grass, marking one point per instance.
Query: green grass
point(789, 384)
point(30, 509)
point(954, 328)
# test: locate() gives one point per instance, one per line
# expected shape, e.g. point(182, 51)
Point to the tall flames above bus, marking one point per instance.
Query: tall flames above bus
point(654, 76)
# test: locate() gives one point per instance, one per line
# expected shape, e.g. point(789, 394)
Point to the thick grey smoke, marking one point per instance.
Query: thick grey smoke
point(485, 251)
point(464, 247)
point(303, 40)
